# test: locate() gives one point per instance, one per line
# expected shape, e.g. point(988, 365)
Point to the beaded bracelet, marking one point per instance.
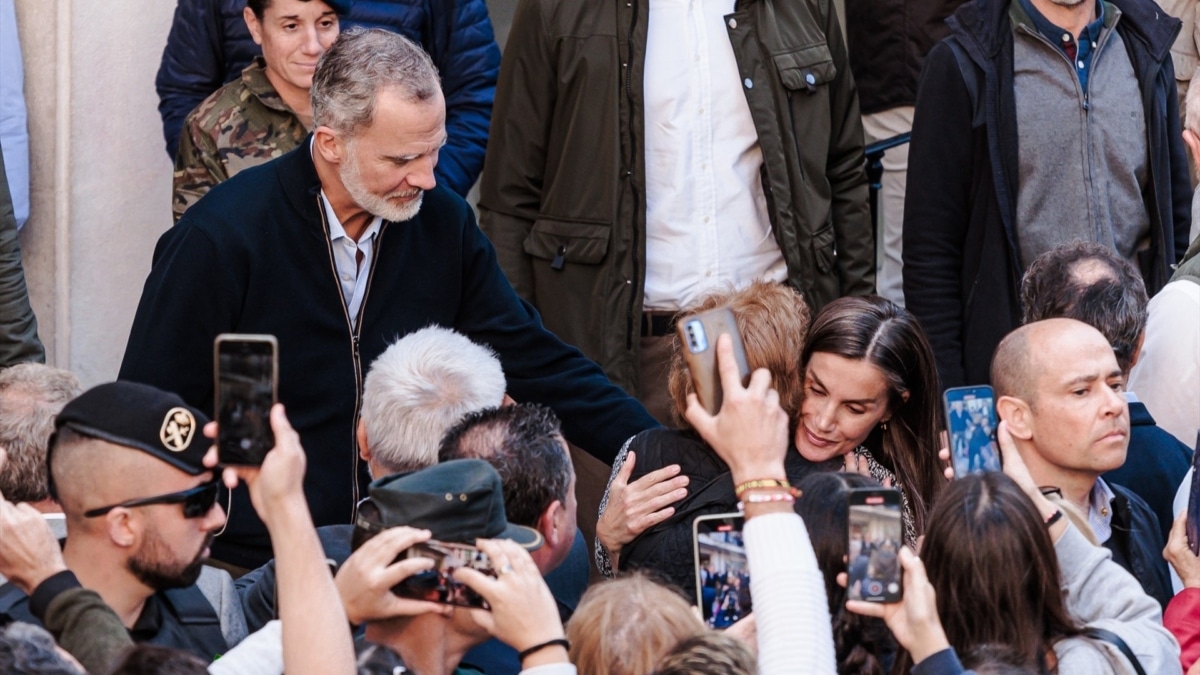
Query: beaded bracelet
point(769, 497)
point(760, 483)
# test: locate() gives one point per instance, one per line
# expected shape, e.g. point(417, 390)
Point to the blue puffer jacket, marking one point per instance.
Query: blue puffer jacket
point(209, 45)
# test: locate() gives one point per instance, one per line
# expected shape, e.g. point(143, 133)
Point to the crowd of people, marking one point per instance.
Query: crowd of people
point(451, 394)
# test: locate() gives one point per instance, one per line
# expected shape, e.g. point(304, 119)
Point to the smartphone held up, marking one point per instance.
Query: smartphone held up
point(698, 334)
point(247, 381)
point(876, 535)
point(722, 569)
point(971, 426)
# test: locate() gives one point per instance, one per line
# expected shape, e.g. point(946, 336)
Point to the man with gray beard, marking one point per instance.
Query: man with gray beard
point(338, 248)
point(1038, 122)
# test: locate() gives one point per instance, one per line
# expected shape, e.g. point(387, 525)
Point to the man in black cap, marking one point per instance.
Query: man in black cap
point(458, 501)
point(126, 463)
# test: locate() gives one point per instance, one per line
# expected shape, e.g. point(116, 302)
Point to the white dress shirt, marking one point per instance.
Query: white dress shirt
point(707, 225)
point(1167, 373)
point(351, 274)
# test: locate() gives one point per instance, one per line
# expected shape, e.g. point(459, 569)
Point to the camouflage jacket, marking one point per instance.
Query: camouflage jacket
point(243, 124)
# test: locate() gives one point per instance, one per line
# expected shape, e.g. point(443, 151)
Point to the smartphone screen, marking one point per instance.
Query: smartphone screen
point(698, 334)
point(971, 426)
point(438, 584)
point(876, 534)
point(246, 384)
point(722, 570)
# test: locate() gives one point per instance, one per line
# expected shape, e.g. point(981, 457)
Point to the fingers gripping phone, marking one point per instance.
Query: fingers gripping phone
point(247, 381)
point(873, 557)
point(698, 336)
point(971, 425)
point(438, 584)
point(722, 569)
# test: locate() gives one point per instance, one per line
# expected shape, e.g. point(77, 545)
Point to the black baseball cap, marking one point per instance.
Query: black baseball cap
point(458, 501)
point(142, 417)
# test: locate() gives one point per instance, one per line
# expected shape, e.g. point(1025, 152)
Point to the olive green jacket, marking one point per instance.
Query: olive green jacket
point(18, 326)
point(563, 191)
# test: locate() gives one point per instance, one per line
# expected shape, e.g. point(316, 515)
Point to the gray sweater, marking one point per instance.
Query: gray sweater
point(1100, 593)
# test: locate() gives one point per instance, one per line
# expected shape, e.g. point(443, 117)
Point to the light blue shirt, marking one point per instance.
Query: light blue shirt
point(14, 134)
point(1100, 510)
point(351, 275)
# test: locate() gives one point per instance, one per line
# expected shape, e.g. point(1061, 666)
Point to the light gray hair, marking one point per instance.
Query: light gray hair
point(361, 63)
point(419, 388)
point(31, 395)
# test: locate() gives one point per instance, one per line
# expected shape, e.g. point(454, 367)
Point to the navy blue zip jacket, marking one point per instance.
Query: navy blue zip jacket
point(209, 45)
point(253, 256)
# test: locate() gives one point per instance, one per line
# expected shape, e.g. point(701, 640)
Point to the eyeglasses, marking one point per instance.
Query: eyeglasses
point(196, 501)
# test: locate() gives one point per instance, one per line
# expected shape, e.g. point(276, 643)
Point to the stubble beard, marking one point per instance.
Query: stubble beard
point(351, 179)
point(154, 567)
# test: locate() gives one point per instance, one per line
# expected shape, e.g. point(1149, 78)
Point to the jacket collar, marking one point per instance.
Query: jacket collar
point(985, 23)
point(255, 79)
point(298, 180)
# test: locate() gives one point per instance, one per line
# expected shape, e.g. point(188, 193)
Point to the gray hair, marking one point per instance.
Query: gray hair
point(360, 64)
point(419, 388)
point(31, 395)
point(1108, 294)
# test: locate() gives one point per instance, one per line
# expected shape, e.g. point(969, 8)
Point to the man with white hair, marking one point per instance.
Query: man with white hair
point(416, 391)
point(337, 248)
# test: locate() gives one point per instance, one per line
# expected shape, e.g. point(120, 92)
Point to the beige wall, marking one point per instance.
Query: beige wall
point(100, 178)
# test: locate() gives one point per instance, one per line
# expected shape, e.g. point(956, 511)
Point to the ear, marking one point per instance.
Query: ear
point(507, 401)
point(253, 24)
point(552, 524)
point(329, 144)
point(1018, 415)
point(364, 450)
point(1193, 143)
point(124, 529)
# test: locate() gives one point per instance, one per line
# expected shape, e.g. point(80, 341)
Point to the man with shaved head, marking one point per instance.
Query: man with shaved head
point(141, 510)
point(1059, 391)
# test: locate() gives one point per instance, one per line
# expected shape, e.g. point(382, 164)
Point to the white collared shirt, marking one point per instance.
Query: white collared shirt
point(707, 224)
point(351, 275)
point(1100, 510)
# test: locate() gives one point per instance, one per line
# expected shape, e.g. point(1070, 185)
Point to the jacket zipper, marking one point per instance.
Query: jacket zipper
point(353, 328)
point(629, 322)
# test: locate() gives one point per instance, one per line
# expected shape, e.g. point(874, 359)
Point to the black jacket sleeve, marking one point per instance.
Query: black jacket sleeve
point(937, 208)
point(192, 66)
point(18, 326)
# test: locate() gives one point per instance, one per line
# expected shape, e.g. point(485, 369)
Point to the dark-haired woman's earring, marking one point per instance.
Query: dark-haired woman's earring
point(883, 425)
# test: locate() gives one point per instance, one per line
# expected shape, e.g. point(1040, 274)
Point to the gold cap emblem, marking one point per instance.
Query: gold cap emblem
point(178, 427)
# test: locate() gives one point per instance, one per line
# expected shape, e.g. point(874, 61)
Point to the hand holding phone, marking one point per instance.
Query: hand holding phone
point(914, 621)
point(439, 584)
point(876, 535)
point(247, 380)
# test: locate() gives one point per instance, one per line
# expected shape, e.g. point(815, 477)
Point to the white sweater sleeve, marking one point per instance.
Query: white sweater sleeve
point(790, 609)
point(261, 653)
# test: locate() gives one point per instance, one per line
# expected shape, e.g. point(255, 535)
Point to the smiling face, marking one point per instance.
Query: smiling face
point(388, 166)
point(844, 399)
point(293, 35)
point(1078, 418)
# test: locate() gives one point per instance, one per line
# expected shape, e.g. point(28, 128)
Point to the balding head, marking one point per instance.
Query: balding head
point(1023, 355)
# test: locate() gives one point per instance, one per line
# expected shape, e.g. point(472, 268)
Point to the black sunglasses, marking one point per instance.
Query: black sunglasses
point(196, 501)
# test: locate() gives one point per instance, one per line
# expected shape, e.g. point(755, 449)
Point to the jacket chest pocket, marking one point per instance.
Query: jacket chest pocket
point(806, 69)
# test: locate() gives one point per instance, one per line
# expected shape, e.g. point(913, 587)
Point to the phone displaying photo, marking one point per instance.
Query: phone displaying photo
point(971, 427)
point(698, 334)
point(247, 379)
point(876, 534)
point(438, 584)
point(722, 570)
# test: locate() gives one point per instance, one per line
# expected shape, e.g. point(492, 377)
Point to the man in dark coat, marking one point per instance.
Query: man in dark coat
point(337, 249)
point(1098, 156)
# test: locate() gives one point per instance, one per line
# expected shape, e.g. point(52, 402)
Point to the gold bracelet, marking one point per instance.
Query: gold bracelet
point(760, 483)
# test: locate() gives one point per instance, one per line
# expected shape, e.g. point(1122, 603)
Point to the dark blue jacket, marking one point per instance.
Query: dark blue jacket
point(1154, 466)
point(1137, 545)
point(209, 45)
point(254, 256)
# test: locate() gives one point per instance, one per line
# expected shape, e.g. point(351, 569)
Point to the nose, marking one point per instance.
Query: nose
point(312, 42)
point(824, 419)
point(1115, 404)
point(422, 175)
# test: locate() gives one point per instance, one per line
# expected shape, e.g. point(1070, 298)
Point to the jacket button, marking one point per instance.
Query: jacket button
point(732, 24)
point(749, 83)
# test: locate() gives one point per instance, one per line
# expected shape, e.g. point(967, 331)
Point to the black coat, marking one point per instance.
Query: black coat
point(961, 259)
point(1137, 544)
point(254, 256)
